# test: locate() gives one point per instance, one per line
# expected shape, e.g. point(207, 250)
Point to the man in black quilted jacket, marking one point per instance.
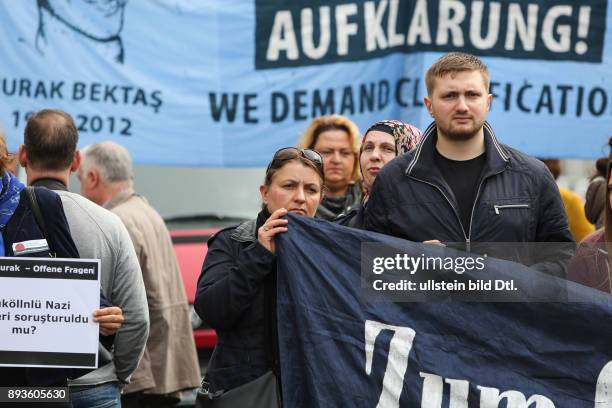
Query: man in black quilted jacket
point(461, 184)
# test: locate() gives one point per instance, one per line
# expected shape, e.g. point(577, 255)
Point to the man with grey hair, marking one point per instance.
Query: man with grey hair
point(170, 362)
point(49, 154)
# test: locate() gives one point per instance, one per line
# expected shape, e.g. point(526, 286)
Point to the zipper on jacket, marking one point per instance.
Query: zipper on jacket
point(467, 236)
point(467, 241)
point(499, 207)
point(468, 245)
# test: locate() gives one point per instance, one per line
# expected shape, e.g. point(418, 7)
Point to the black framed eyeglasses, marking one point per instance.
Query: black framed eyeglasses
point(309, 154)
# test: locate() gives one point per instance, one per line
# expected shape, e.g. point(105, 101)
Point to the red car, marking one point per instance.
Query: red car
point(190, 249)
point(189, 237)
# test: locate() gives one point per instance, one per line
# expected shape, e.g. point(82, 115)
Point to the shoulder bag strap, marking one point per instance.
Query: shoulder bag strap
point(39, 218)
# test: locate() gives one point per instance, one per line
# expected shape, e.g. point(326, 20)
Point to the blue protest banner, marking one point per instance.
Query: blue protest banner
point(226, 84)
point(339, 348)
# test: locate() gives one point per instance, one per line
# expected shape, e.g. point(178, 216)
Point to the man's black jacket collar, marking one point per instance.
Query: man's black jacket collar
point(423, 165)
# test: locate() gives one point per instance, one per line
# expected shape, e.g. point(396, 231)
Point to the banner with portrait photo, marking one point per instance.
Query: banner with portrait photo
point(226, 84)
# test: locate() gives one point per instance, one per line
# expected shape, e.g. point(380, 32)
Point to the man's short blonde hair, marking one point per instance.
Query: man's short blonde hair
point(455, 62)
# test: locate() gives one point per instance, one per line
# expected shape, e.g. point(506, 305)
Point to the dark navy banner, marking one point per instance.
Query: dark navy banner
point(338, 350)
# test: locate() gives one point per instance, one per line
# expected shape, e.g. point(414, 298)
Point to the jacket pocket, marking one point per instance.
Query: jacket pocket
point(501, 207)
point(507, 220)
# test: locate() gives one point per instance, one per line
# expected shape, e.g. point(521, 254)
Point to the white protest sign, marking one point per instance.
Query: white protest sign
point(46, 308)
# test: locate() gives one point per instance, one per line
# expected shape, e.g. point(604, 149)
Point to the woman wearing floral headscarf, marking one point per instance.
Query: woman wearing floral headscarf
point(382, 142)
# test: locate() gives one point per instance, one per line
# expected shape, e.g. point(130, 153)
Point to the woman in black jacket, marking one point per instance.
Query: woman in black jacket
point(240, 267)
